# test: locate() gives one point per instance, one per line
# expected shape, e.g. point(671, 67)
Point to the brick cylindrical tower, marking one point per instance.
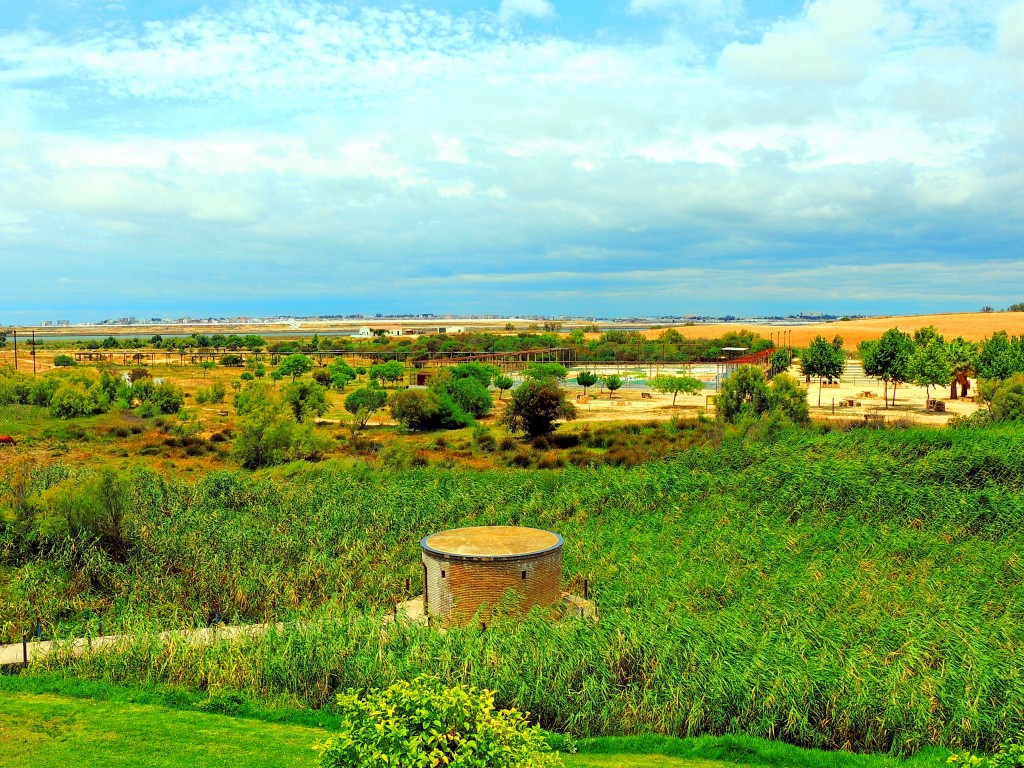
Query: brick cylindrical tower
point(466, 570)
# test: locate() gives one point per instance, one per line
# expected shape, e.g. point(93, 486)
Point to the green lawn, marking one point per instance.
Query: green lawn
point(52, 730)
point(42, 729)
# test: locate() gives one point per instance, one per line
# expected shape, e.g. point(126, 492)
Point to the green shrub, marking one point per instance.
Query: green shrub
point(167, 397)
point(422, 410)
point(63, 361)
point(426, 723)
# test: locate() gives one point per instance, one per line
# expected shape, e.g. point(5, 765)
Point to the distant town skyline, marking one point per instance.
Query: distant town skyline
point(534, 157)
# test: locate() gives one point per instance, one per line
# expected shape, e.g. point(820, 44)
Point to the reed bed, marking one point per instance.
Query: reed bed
point(856, 589)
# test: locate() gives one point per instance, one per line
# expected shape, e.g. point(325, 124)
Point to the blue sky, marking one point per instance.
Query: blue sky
point(611, 158)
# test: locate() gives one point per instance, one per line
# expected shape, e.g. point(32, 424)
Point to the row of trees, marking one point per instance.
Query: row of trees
point(928, 360)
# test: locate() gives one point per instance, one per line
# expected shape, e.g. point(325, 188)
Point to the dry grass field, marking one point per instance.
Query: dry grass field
point(973, 326)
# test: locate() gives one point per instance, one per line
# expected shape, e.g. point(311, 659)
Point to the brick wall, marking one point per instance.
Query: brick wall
point(456, 589)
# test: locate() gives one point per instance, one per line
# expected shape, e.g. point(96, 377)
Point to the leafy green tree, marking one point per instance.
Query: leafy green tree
point(780, 360)
point(996, 357)
point(889, 359)
point(206, 366)
point(471, 396)
point(534, 407)
point(418, 409)
point(612, 383)
point(295, 365)
point(577, 337)
point(253, 343)
point(63, 361)
point(305, 398)
point(167, 397)
point(786, 395)
point(425, 722)
point(744, 393)
point(823, 359)
point(587, 379)
point(482, 372)
point(363, 403)
point(929, 365)
point(341, 373)
point(267, 434)
point(390, 371)
point(666, 383)
point(541, 371)
point(502, 383)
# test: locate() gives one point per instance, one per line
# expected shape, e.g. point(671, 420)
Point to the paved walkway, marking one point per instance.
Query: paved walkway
point(37, 649)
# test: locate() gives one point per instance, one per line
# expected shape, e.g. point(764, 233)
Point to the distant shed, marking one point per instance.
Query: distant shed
point(466, 570)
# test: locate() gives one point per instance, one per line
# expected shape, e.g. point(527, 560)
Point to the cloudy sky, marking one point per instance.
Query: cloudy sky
point(598, 157)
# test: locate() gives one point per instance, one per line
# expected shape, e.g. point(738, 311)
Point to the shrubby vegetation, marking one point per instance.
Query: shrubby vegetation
point(425, 722)
point(864, 598)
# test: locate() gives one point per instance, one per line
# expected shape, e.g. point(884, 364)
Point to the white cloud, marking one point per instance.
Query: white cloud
point(1011, 31)
point(537, 9)
point(835, 42)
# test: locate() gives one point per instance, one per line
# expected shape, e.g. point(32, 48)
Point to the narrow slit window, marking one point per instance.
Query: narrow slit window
point(524, 575)
point(442, 574)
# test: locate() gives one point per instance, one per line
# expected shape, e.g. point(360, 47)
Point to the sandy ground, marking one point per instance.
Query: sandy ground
point(866, 394)
point(973, 326)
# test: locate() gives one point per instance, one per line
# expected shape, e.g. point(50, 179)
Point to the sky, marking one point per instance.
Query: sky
point(608, 158)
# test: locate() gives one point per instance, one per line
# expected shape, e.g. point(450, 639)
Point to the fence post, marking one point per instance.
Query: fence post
point(38, 628)
point(99, 615)
point(586, 589)
point(24, 647)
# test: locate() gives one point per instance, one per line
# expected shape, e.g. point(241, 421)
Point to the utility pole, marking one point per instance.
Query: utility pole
point(33, 351)
point(15, 348)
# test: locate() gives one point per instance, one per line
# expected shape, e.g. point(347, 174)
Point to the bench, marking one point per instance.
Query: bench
point(646, 396)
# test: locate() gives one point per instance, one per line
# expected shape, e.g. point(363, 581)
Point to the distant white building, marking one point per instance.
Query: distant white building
point(389, 330)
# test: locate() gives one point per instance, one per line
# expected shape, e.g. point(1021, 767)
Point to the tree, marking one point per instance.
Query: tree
point(587, 379)
point(266, 434)
point(305, 398)
point(789, 398)
point(930, 365)
point(390, 371)
point(253, 342)
point(996, 358)
point(666, 383)
point(745, 392)
point(824, 360)
point(341, 374)
point(482, 372)
point(962, 357)
point(612, 383)
point(546, 371)
point(207, 365)
point(889, 359)
point(63, 361)
point(363, 403)
point(418, 409)
point(503, 383)
point(471, 396)
point(295, 365)
point(780, 360)
point(534, 407)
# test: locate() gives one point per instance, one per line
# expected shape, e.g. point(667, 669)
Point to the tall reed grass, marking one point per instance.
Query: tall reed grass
point(853, 589)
